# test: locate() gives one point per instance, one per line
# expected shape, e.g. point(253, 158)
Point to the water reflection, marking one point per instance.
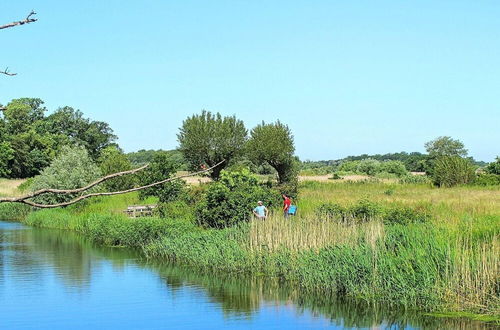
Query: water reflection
point(36, 258)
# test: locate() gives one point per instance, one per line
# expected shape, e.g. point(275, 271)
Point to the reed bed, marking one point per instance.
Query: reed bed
point(296, 234)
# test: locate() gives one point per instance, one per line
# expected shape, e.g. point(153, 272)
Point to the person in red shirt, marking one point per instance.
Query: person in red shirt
point(286, 204)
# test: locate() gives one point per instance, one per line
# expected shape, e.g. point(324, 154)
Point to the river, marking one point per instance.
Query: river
point(53, 279)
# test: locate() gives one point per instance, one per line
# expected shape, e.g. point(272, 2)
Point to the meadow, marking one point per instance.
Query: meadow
point(448, 263)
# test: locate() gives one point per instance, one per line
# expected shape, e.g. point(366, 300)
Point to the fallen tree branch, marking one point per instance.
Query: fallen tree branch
point(70, 191)
point(27, 20)
point(24, 200)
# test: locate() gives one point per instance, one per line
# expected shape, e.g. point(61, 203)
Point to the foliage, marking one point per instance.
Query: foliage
point(231, 199)
point(113, 160)
point(14, 211)
point(37, 139)
point(405, 215)
point(143, 157)
point(494, 167)
point(160, 168)
point(393, 166)
point(450, 171)
point(368, 167)
point(273, 144)
point(487, 179)
point(208, 139)
point(445, 146)
point(414, 179)
point(73, 168)
point(6, 155)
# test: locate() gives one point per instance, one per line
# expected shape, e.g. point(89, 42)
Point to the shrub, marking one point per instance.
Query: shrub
point(331, 211)
point(405, 215)
point(364, 210)
point(450, 171)
point(161, 167)
point(487, 179)
point(494, 167)
point(176, 210)
point(230, 200)
point(394, 166)
point(349, 166)
point(369, 166)
point(415, 179)
point(113, 160)
point(73, 168)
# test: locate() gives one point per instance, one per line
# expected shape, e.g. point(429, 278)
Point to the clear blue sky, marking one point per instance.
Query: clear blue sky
point(348, 77)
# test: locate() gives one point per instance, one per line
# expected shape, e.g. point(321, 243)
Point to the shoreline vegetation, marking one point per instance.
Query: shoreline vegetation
point(348, 239)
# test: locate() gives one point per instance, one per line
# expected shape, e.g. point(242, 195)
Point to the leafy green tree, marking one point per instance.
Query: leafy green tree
point(113, 160)
point(21, 114)
point(273, 144)
point(494, 167)
point(231, 199)
point(207, 139)
point(445, 146)
point(72, 168)
point(93, 135)
point(6, 155)
point(450, 171)
point(160, 168)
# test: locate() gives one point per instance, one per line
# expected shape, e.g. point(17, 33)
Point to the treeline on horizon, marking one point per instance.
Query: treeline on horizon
point(30, 140)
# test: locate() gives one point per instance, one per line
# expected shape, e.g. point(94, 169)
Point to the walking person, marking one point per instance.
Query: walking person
point(287, 202)
point(260, 211)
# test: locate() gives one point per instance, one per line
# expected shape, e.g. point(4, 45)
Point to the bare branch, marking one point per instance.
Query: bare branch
point(24, 200)
point(27, 20)
point(7, 72)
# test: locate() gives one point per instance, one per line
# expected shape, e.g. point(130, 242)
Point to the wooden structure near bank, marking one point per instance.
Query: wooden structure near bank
point(140, 211)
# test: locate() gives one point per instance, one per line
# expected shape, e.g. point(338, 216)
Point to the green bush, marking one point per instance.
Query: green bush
point(415, 179)
point(405, 215)
point(179, 209)
point(160, 168)
point(231, 199)
point(349, 166)
point(369, 166)
point(72, 169)
point(365, 210)
point(394, 167)
point(331, 211)
point(113, 160)
point(487, 179)
point(450, 171)
point(494, 167)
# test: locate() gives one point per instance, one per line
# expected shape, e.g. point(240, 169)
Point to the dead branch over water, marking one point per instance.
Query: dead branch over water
point(25, 199)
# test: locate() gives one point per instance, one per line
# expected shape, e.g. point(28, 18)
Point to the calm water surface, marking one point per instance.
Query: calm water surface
point(51, 279)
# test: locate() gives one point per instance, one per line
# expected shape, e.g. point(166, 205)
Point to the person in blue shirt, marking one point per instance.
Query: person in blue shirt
point(260, 211)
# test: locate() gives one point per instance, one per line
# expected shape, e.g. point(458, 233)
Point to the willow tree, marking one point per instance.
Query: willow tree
point(273, 144)
point(207, 139)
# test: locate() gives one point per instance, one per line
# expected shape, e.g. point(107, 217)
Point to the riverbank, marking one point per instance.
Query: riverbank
point(447, 264)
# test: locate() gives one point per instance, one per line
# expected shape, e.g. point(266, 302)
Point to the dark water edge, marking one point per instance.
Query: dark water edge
point(57, 279)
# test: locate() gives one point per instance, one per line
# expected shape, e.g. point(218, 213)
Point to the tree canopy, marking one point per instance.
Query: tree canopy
point(207, 139)
point(445, 146)
point(30, 140)
point(273, 144)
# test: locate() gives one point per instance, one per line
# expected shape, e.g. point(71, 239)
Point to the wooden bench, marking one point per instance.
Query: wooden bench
point(139, 211)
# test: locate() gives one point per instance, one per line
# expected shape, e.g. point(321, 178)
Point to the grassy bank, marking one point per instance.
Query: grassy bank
point(450, 263)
